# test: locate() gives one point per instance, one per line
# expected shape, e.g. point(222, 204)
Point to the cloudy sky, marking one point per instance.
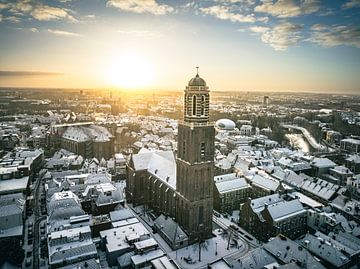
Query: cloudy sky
point(277, 45)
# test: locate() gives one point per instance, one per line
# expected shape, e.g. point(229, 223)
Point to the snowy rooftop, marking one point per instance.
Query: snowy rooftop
point(306, 200)
point(117, 238)
point(318, 190)
point(351, 140)
point(86, 133)
point(160, 164)
point(284, 209)
point(225, 177)
point(259, 203)
point(14, 185)
point(287, 251)
point(264, 182)
point(231, 185)
point(139, 259)
point(354, 158)
point(322, 163)
point(323, 250)
point(341, 170)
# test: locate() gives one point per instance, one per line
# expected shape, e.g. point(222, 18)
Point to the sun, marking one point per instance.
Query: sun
point(130, 71)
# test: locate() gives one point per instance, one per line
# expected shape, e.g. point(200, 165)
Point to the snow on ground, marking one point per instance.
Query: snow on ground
point(212, 249)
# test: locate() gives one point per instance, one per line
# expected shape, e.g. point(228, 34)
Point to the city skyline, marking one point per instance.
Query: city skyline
point(241, 45)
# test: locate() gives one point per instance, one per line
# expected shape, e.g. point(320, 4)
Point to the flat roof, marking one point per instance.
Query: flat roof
point(117, 237)
point(126, 222)
point(145, 244)
point(146, 257)
point(14, 185)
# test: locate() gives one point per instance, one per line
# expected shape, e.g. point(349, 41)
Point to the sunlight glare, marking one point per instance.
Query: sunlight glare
point(130, 71)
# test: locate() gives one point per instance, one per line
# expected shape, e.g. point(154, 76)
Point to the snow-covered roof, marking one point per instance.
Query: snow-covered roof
point(14, 185)
point(86, 133)
point(354, 158)
point(318, 190)
point(351, 140)
point(259, 203)
point(284, 209)
point(264, 182)
point(160, 164)
point(231, 185)
point(322, 163)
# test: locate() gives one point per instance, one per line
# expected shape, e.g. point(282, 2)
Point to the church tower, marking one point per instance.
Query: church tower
point(195, 162)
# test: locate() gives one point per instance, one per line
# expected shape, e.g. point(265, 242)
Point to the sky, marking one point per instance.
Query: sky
point(245, 45)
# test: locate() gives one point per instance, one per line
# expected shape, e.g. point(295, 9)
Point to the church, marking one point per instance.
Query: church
point(180, 187)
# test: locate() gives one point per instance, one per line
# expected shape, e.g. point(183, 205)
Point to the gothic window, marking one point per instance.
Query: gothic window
point(202, 150)
point(201, 214)
point(202, 105)
point(187, 107)
point(194, 105)
point(184, 148)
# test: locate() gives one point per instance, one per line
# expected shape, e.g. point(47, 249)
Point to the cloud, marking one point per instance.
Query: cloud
point(47, 13)
point(225, 13)
point(63, 33)
point(36, 10)
point(259, 29)
point(7, 73)
point(4, 6)
point(141, 6)
point(21, 7)
point(12, 19)
point(335, 35)
point(281, 36)
point(288, 8)
point(351, 4)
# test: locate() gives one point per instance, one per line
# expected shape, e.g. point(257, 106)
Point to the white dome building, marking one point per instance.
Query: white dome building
point(225, 125)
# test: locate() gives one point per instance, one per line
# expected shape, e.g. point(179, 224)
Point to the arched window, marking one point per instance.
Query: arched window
point(194, 105)
point(202, 105)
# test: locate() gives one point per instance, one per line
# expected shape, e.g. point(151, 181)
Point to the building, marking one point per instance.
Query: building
point(195, 162)
point(224, 125)
point(321, 166)
point(120, 240)
point(171, 232)
point(70, 246)
point(181, 188)
point(12, 211)
point(68, 228)
point(353, 186)
point(339, 175)
point(292, 254)
point(353, 163)
point(280, 252)
point(266, 100)
point(269, 216)
point(246, 130)
point(262, 186)
point(85, 139)
point(230, 191)
point(350, 145)
point(320, 190)
point(322, 221)
point(333, 250)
